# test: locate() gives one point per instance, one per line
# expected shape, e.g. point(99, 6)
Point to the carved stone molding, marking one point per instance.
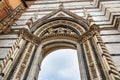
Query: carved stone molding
point(76, 26)
point(92, 31)
point(57, 32)
point(29, 36)
point(110, 67)
point(24, 62)
point(93, 66)
point(60, 30)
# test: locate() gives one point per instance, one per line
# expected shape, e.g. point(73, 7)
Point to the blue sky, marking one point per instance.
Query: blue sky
point(60, 65)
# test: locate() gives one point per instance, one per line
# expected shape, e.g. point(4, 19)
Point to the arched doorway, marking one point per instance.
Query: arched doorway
point(60, 65)
point(59, 30)
point(63, 32)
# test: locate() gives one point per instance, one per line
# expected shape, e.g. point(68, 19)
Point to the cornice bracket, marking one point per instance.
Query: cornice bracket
point(90, 33)
point(28, 36)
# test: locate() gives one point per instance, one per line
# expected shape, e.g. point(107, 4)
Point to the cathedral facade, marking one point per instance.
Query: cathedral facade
point(30, 30)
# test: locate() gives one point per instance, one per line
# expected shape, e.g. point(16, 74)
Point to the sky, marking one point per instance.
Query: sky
point(60, 65)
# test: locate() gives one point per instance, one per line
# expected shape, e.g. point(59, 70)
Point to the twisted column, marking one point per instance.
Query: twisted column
point(109, 64)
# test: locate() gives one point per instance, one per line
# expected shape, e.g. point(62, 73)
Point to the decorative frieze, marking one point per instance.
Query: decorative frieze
point(59, 30)
point(59, 22)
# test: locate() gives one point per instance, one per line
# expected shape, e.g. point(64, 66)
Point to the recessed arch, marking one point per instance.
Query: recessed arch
point(60, 40)
point(79, 25)
point(55, 44)
point(68, 58)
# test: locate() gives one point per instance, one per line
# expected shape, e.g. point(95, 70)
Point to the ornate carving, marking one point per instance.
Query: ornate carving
point(59, 30)
point(59, 22)
point(30, 22)
point(92, 64)
point(24, 62)
point(3, 64)
point(29, 36)
point(92, 31)
point(8, 21)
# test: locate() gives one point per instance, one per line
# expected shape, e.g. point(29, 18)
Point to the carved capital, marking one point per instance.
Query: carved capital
point(95, 28)
point(30, 37)
point(92, 31)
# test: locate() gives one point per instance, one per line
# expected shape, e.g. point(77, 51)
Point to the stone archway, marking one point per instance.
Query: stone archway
point(63, 34)
point(52, 33)
point(60, 64)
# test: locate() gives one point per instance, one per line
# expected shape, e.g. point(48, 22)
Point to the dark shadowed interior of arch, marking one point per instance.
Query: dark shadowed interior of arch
point(61, 64)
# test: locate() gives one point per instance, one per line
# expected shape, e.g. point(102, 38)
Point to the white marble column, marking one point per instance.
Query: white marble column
point(81, 63)
point(34, 68)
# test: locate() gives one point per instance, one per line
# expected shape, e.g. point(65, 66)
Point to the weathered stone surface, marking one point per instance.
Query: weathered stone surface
point(6, 43)
point(113, 48)
point(8, 36)
point(4, 52)
point(102, 16)
point(111, 38)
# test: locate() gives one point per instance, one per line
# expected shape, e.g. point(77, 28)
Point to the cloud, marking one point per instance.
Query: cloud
point(60, 65)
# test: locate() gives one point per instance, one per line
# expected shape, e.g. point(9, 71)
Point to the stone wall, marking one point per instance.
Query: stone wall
point(7, 6)
point(106, 16)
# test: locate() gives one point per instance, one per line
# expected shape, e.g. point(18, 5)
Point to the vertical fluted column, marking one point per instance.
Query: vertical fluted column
point(35, 68)
point(92, 64)
point(19, 73)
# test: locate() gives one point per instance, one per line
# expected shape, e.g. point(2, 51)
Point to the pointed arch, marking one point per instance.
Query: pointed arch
point(73, 18)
